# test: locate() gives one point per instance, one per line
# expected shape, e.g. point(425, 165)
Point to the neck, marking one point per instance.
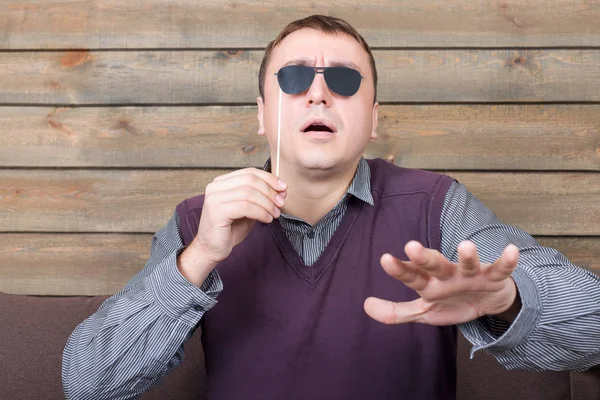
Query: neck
point(312, 194)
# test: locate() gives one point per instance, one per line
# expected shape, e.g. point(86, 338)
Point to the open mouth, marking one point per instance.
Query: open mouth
point(318, 127)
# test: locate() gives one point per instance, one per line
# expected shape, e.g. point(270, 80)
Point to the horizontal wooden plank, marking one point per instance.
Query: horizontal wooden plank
point(142, 200)
point(541, 204)
point(582, 251)
point(100, 264)
point(70, 264)
point(488, 137)
point(211, 77)
point(222, 23)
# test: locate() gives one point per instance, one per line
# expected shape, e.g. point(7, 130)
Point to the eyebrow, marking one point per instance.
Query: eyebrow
point(348, 64)
point(299, 61)
point(308, 62)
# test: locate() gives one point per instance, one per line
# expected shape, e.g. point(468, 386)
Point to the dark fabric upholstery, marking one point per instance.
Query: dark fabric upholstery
point(34, 330)
point(483, 378)
point(586, 385)
point(33, 333)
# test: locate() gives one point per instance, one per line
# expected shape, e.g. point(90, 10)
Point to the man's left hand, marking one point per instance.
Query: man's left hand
point(450, 293)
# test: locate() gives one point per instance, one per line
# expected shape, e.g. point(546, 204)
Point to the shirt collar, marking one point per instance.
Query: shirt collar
point(360, 187)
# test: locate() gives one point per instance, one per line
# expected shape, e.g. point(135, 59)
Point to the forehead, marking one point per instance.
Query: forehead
point(323, 49)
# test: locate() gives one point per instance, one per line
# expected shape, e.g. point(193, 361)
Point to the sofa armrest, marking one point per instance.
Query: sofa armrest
point(586, 385)
point(484, 378)
point(34, 332)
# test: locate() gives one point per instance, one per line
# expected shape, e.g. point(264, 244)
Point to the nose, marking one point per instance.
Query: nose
point(318, 93)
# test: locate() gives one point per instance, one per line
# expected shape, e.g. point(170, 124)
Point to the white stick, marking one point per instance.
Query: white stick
point(278, 135)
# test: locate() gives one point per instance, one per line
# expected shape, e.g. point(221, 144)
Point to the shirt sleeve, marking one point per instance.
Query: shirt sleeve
point(137, 336)
point(558, 327)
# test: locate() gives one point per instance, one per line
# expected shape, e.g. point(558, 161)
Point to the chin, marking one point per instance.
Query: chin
point(318, 162)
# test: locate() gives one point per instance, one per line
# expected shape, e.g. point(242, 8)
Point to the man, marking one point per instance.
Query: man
point(295, 258)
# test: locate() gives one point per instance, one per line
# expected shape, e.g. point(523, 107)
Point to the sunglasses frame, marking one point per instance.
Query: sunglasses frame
point(320, 70)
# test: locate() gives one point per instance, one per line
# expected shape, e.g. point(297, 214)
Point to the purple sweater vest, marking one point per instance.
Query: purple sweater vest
point(282, 330)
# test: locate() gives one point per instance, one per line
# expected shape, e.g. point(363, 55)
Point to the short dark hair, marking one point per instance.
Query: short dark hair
point(321, 23)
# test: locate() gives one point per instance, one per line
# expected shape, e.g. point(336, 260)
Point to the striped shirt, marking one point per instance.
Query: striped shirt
point(310, 241)
point(136, 336)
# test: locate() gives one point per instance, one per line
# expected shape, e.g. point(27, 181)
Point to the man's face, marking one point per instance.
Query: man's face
point(306, 145)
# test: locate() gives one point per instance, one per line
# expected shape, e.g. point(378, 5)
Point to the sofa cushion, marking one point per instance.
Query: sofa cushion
point(586, 385)
point(33, 334)
point(34, 331)
point(484, 378)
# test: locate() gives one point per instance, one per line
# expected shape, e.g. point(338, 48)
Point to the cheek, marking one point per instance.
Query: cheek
point(270, 119)
point(270, 105)
point(358, 119)
point(270, 115)
point(289, 113)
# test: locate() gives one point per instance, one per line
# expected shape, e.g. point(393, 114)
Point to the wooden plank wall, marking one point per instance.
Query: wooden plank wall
point(112, 112)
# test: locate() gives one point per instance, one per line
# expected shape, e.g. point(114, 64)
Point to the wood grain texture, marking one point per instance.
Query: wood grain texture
point(143, 201)
point(95, 200)
point(540, 203)
point(582, 251)
point(475, 137)
point(253, 23)
point(212, 77)
point(70, 264)
point(101, 264)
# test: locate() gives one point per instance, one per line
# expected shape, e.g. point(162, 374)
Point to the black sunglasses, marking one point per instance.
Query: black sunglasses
point(295, 79)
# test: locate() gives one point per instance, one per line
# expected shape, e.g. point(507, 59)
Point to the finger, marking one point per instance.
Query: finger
point(429, 260)
point(468, 259)
point(239, 181)
point(239, 210)
point(388, 312)
point(404, 272)
point(272, 180)
point(505, 265)
point(250, 195)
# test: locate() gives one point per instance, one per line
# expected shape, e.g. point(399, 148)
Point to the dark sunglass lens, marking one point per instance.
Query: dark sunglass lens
point(295, 79)
point(342, 80)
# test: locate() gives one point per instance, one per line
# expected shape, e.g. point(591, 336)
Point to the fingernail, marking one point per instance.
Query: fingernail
point(279, 199)
point(282, 184)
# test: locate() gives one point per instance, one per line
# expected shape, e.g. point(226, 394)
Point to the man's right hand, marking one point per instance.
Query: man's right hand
point(232, 204)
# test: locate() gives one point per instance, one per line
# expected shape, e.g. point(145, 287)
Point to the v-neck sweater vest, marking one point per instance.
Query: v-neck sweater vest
point(284, 330)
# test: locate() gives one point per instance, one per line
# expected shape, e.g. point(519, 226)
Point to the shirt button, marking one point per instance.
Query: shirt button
point(311, 234)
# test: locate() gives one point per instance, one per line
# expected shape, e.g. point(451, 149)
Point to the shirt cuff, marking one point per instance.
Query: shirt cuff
point(180, 298)
point(479, 334)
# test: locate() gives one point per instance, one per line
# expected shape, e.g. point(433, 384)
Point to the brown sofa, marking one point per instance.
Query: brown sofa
point(35, 329)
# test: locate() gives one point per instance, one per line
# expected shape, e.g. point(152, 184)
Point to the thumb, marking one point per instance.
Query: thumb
point(388, 312)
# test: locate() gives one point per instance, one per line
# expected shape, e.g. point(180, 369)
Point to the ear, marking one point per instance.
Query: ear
point(375, 114)
point(260, 116)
